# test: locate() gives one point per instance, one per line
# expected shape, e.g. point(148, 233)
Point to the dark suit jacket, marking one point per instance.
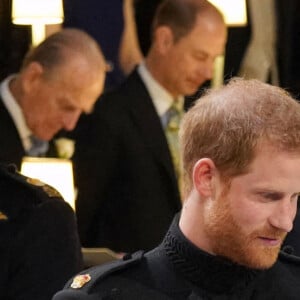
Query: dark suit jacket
point(127, 190)
point(11, 150)
point(39, 244)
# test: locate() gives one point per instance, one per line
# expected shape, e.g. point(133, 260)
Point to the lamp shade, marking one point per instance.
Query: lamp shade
point(234, 11)
point(37, 12)
point(55, 172)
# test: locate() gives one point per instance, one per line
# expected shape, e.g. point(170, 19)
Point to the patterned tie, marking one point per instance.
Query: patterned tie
point(38, 147)
point(173, 116)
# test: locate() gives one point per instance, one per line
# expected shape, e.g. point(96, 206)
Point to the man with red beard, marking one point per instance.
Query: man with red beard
point(241, 160)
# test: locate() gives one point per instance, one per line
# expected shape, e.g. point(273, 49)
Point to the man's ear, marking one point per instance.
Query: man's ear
point(31, 75)
point(164, 39)
point(204, 173)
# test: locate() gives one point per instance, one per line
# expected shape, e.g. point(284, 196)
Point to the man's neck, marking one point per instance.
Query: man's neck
point(191, 222)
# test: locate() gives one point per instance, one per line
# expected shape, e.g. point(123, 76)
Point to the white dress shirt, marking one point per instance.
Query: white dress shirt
point(161, 98)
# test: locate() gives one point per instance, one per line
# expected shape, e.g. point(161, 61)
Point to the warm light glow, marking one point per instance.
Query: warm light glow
point(235, 14)
point(234, 11)
point(56, 172)
point(37, 13)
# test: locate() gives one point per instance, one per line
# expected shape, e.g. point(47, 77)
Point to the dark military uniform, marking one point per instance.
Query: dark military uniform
point(39, 245)
point(179, 270)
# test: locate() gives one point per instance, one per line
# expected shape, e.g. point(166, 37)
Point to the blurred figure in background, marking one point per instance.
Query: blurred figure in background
point(126, 158)
point(59, 79)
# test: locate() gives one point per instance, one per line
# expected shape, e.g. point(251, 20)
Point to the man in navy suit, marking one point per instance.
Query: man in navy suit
point(59, 79)
point(127, 186)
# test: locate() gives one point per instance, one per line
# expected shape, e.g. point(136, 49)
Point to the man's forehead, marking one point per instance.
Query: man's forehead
point(207, 36)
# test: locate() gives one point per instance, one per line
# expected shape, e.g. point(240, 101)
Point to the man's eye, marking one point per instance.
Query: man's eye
point(200, 57)
point(272, 196)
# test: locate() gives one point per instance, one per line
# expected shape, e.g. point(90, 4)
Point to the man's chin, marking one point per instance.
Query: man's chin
point(192, 87)
point(260, 259)
point(190, 92)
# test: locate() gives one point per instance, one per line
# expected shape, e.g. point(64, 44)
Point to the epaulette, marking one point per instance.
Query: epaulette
point(88, 278)
point(286, 255)
point(41, 186)
point(24, 192)
point(11, 171)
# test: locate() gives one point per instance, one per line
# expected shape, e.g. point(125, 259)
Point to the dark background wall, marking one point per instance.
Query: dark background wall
point(103, 19)
point(289, 44)
point(14, 41)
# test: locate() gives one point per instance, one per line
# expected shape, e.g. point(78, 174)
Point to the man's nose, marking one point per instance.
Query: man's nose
point(207, 69)
point(70, 120)
point(284, 214)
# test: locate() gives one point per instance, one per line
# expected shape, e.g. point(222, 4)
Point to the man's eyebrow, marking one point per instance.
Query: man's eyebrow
point(271, 194)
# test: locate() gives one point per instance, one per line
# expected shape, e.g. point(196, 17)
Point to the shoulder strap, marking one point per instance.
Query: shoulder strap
point(98, 273)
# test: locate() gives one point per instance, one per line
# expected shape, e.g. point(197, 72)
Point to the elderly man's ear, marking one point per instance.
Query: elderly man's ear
point(204, 174)
point(31, 74)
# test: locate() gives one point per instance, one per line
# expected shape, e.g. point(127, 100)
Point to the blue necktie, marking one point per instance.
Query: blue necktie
point(38, 147)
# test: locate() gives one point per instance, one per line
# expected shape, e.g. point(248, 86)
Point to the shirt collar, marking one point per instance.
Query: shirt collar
point(161, 98)
point(15, 112)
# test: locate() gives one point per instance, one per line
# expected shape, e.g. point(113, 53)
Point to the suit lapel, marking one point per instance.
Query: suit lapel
point(147, 121)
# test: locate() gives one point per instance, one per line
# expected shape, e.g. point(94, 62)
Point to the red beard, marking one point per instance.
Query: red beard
point(228, 239)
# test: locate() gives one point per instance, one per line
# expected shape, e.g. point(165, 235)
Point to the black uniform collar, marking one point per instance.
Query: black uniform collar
point(211, 273)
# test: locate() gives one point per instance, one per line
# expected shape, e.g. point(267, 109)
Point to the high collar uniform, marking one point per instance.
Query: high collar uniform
point(178, 270)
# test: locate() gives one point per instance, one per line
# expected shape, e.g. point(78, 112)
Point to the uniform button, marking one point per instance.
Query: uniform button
point(127, 256)
point(288, 249)
point(115, 292)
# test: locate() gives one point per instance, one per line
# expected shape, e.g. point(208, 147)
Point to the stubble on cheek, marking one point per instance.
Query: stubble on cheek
point(227, 239)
